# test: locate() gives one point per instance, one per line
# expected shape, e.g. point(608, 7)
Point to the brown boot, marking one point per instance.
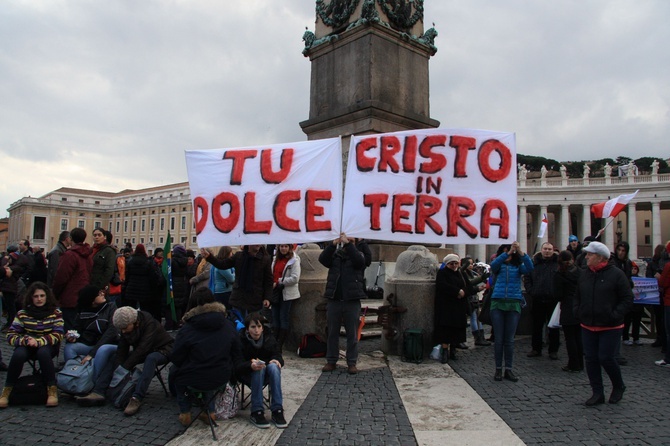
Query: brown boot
point(52, 396)
point(4, 399)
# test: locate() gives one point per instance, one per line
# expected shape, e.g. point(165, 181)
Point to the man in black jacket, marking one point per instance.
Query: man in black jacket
point(539, 284)
point(345, 287)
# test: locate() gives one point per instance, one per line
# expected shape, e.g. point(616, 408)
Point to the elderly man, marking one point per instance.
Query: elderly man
point(603, 297)
point(540, 285)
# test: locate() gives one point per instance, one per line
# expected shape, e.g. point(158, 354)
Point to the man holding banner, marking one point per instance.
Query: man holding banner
point(346, 261)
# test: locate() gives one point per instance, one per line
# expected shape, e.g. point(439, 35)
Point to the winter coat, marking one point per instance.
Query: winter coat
point(96, 328)
point(201, 280)
point(603, 297)
point(268, 350)
point(539, 283)
point(54, 257)
point(508, 277)
point(450, 309)
point(19, 265)
point(179, 264)
point(223, 279)
point(565, 287)
point(207, 349)
point(290, 278)
point(47, 330)
point(346, 268)
point(103, 264)
point(140, 279)
point(148, 336)
point(73, 274)
point(260, 280)
point(40, 269)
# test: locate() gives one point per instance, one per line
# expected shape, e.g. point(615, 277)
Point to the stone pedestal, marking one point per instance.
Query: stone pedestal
point(308, 314)
point(413, 287)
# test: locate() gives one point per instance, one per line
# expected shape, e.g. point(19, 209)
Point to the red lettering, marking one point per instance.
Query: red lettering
point(409, 155)
point(285, 164)
point(431, 184)
point(484, 157)
point(200, 214)
point(462, 144)
point(390, 146)
point(364, 163)
point(238, 157)
point(426, 207)
point(221, 223)
point(488, 220)
point(437, 160)
point(279, 210)
point(458, 208)
point(398, 214)
point(375, 202)
point(312, 210)
point(251, 226)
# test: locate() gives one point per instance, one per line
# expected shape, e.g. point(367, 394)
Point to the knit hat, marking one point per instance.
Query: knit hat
point(451, 258)
point(599, 249)
point(573, 238)
point(87, 295)
point(124, 316)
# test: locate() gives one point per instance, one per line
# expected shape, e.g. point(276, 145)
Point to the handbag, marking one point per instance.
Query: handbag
point(29, 389)
point(555, 321)
point(227, 403)
point(485, 312)
point(76, 378)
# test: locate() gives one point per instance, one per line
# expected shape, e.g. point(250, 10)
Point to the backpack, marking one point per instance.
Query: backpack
point(29, 389)
point(116, 277)
point(312, 346)
point(121, 387)
point(76, 378)
point(227, 403)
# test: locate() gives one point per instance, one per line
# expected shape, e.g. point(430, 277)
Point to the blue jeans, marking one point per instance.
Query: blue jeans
point(102, 357)
point(270, 375)
point(475, 325)
point(148, 371)
point(74, 349)
point(600, 349)
point(280, 314)
point(504, 327)
point(340, 312)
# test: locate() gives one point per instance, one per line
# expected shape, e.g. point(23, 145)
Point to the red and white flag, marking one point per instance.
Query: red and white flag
point(543, 226)
point(611, 208)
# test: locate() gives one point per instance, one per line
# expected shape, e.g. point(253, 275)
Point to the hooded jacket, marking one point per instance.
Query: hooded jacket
point(96, 328)
point(507, 276)
point(73, 273)
point(207, 349)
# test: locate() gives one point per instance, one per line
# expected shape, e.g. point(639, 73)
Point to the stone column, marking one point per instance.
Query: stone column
point(586, 221)
point(562, 241)
point(632, 230)
point(608, 237)
point(458, 249)
point(308, 314)
point(522, 231)
point(656, 224)
point(480, 253)
point(413, 287)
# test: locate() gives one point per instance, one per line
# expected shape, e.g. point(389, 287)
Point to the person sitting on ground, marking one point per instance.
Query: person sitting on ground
point(36, 334)
point(205, 354)
point(151, 345)
point(262, 363)
point(97, 337)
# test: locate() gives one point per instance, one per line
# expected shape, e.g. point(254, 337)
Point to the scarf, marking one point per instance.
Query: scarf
point(598, 267)
point(39, 313)
point(256, 344)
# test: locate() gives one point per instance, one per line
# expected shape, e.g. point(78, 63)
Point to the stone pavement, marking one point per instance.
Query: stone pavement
point(390, 402)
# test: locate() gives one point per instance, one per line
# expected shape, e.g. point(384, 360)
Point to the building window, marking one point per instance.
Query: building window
point(144, 225)
point(97, 225)
point(160, 240)
point(183, 240)
point(117, 226)
point(142, 240)
point(133, 241)
point(162, 224)
point(39, 228)
point(171, 239)
point(647, 239)
point(63, 199)
point(81, 223)
point(117, 241)
point(151, 239)
point(171, 223)
point(647, 224)
point(63, 224)
point(110, 226)
point(81, 201)
point(194, 239)
point(125, 226)
point(134, 225)
point(183, 222)
point(152, 225)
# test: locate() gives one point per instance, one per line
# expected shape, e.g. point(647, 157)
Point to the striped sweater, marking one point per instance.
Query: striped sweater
point(47, 331)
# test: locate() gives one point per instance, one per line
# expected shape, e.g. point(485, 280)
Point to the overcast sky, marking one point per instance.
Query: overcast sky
point(107, 95)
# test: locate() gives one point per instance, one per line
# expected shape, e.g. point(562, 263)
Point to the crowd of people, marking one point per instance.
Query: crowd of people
point(586, 290)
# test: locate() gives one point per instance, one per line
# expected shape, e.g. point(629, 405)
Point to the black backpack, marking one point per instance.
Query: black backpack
point(312, 346)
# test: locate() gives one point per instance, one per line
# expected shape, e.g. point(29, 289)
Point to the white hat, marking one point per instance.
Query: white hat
point(451, 258)
point(598, 248)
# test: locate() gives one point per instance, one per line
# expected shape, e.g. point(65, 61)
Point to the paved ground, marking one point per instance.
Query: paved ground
point(544, 407)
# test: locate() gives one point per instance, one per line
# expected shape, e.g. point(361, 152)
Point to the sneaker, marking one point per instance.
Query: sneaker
point(534, 354)
point(638, 342)
point(92, 399)
point(662, 363)
point(278, 418)
point(627, 342)
point(132, 407)
point(258, 419)
point(185, 419)
point(329, 367)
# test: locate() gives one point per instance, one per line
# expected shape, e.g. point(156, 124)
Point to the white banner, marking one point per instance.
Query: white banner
point(282, 193)
point(432, 186)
